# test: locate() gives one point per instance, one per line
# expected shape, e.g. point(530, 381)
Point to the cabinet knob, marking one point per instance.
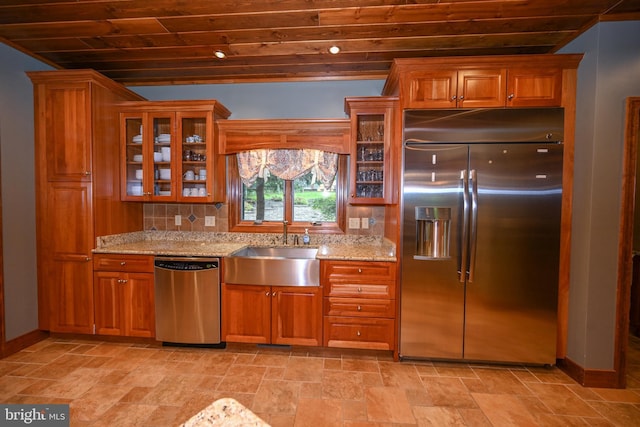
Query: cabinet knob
point(87, 259)
point(453, 98)
point(273, 294)
point(359, 270)
point(511, 96)
point(359, 289)
point(267, 293)
point(87, 173)
point(123, 262)
point(461, 97)
point(358, 333)
point(359, 308)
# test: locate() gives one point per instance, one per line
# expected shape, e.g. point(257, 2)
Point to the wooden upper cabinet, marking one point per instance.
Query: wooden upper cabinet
point(372, 156)
point(64, 121)
point(534, 87)
point(170, 151)
point(456, 89)
point(480, 82)
point(481, 88)
point(432, 89)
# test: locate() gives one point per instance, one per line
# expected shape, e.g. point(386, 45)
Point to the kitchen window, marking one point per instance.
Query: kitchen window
point(304, 187)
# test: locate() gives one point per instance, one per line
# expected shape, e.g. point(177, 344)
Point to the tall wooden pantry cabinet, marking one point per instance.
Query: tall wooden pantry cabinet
point(77, 189)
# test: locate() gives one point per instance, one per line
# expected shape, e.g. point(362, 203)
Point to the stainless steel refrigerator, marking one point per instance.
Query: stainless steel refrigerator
point(482, 195)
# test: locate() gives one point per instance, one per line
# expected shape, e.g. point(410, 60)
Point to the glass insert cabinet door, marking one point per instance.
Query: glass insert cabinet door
point(196, 139)
point(162, 156)
point(369, 170)
point(134, 176)
point(371, 155)
point(149, 170)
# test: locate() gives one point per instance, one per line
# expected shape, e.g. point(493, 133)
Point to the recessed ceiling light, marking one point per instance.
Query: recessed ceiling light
point(220, 54)
point(334, 50)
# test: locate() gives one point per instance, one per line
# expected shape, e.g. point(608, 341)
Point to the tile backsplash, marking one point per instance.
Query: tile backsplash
point(161, 217)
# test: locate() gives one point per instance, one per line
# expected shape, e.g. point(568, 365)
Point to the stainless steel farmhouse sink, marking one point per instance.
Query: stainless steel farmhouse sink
point(273, 266)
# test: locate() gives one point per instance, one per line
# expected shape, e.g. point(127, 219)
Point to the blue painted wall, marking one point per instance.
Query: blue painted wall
point(608, 74)
point(18, 191)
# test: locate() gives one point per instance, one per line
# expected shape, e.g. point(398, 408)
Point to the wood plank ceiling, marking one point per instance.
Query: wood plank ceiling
point(150, 42)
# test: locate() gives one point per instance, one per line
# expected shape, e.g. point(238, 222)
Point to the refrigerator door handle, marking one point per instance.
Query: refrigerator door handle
point(473, 185)
point(464, 246)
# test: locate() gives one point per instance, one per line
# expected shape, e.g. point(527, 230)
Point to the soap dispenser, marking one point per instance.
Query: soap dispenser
point(306, 238)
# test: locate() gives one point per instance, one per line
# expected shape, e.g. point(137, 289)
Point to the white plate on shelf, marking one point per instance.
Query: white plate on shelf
point(137, 157)
point(164, 193)
point(137, 139)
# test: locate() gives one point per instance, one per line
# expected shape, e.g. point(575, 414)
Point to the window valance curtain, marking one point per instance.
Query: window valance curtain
point(287, 164)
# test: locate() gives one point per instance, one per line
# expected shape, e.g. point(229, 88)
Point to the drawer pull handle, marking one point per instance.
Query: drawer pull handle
point(123, 263)
point(359, 308)
point(358, 333)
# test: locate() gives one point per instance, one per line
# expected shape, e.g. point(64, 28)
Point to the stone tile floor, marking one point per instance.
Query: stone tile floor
point(116, 384)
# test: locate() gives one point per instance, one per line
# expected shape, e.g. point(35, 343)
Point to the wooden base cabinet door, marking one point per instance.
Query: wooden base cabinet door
point(72, 297)
point(139, 313)
point(108, 303)
point(124, 304)
point(296, 315)
point(246, 313)
point(67, 254)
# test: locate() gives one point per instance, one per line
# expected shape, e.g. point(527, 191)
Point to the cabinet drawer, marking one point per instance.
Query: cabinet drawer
point(360, 307)
point(355, 332)
point(117, 262)
point(357, 290)
point(359, 272)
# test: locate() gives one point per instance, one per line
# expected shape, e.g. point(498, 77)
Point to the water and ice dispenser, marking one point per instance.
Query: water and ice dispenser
point(433, 228)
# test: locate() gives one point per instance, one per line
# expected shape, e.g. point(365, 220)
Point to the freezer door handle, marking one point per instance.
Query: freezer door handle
point(473, 186)
point(462, 272)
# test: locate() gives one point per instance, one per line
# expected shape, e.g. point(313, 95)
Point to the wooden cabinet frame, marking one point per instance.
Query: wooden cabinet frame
point(77, 189)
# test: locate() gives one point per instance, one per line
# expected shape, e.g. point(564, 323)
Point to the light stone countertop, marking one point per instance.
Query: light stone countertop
point(225, 412)
point(208, 244)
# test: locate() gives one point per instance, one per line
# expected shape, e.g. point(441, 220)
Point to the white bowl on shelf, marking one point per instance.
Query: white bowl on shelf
point(137, 157)
point(137, 139)
point(164, 192)
point(157, 156)
point(165, 174)
point(135, 189)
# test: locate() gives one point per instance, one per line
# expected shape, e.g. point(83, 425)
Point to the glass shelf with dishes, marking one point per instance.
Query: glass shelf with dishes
point(369, 170)
point(195, 157)
point(148, 170)
point(371, 155)
point(134, 172)
point(168, 151)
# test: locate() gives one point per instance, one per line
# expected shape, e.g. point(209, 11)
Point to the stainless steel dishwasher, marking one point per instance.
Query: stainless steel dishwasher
point(187, 299)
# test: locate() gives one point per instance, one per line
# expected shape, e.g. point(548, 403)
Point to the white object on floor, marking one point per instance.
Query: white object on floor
point(225, 412)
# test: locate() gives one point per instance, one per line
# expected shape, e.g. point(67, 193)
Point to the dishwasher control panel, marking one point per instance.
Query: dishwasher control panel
point(187, 264)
